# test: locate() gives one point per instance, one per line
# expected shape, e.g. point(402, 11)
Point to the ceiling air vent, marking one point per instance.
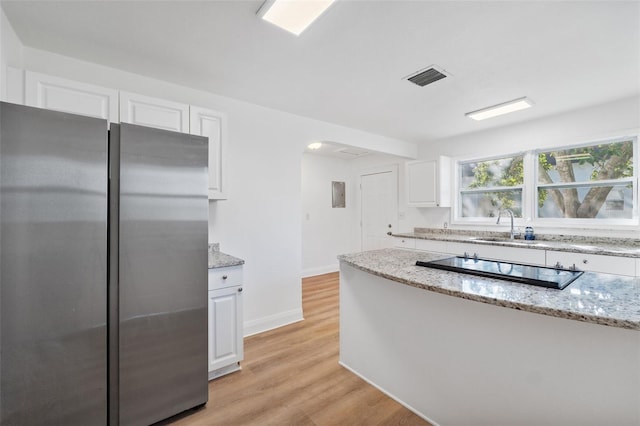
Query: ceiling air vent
point(426, 76)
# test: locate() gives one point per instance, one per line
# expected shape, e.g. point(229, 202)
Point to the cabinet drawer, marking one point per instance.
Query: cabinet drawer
point(509, 254)
point(593, 262)
point(225, 277)
point(401, 242)
point(432, 245)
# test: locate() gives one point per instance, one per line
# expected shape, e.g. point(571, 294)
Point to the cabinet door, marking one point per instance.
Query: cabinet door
point(154, 112)
point(210, 123)
point(428, 183)
point(225, 327)
point(45, 91)
point(422, 183)
point(593, 262)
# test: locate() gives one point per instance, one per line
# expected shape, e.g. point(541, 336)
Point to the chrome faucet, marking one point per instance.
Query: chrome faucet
point(512, 233)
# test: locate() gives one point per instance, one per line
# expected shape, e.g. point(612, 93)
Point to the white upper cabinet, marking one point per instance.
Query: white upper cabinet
point(55, 93)
point(46, 91)
point(210, 123)
point(428, 183)
point(154, 112)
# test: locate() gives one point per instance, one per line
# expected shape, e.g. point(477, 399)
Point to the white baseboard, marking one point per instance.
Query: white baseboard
point(310, 272)
point(272, 321)
point(390, 395)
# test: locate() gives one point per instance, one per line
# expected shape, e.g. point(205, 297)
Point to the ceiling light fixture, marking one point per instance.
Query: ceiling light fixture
point(500, 109)
point(315, 145)
point(293, 15)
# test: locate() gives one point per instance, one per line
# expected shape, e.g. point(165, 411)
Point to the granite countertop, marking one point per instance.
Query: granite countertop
point(624, 247)
point(218, 259)
point(610, 300)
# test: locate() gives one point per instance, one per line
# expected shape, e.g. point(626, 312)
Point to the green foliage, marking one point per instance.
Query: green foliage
point(605, 161)
point(503, 172)
point(482, 175)
point(543, 165)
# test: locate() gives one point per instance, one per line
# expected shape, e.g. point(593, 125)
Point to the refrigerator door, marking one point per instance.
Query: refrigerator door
point(162, 273)
point(53, 257)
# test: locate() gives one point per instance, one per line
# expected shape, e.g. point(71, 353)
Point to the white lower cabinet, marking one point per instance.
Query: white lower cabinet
point(592, 262)
point(432, 245)
point(226, 348)
point(400, 242)
point(583, 262)
point(487, 251)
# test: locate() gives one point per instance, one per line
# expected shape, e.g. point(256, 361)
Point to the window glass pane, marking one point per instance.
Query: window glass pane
point(584, 164)
point(591, 202)
point(486, 204)
point(491, 173)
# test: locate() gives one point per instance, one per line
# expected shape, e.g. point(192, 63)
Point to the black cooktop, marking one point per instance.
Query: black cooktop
point(527, 274)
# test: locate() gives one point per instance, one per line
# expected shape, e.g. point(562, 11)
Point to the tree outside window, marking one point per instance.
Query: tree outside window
point(593, 182)
point(590, 182)
point(490, 185)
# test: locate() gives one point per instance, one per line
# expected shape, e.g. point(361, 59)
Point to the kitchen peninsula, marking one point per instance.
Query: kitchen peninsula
point(459, 349)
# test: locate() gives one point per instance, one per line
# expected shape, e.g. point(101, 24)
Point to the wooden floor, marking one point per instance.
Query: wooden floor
point(291, 376)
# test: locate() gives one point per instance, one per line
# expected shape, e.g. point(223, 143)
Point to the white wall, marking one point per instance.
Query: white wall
point(617, 118)
point(326, 231)
point(261, 220)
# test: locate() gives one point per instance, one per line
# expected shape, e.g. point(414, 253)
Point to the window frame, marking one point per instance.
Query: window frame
point(486, 220)
point(591, 223)
point(530, 187)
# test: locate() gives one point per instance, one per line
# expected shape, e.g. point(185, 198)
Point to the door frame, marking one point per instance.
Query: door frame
point(393, 168)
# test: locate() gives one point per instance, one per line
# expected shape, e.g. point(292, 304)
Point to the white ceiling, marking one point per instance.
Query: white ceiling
point(348, 67)
point(338, 150)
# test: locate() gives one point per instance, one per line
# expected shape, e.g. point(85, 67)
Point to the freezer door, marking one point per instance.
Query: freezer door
point(163, 273)
point(53, 255)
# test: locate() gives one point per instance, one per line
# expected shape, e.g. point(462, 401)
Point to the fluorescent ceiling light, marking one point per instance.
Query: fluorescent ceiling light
point(496, 110)
point(293, 15)
point(315, 145)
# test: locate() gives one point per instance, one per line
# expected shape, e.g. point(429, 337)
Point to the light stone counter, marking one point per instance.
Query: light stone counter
point(624, 247)
point(218, 259)
point(610, 300)
point(223, 260)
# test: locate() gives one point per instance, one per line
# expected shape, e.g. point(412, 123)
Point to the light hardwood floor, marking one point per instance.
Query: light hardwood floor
point(291, 376)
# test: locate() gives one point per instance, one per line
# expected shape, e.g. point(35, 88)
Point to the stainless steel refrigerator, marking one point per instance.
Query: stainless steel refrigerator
point(103, 277)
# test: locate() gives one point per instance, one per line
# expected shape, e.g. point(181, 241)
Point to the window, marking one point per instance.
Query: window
point(585, 184)
point(489, 185)
point(588, 182)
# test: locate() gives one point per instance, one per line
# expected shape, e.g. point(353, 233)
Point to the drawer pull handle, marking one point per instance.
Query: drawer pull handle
point(240, 290)
point(585, 261)
point(224, 277)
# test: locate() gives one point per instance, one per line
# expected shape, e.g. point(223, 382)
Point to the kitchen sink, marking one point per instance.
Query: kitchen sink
point(540, 276)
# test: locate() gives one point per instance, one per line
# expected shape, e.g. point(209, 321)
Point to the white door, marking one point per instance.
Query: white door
point(379, 208)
